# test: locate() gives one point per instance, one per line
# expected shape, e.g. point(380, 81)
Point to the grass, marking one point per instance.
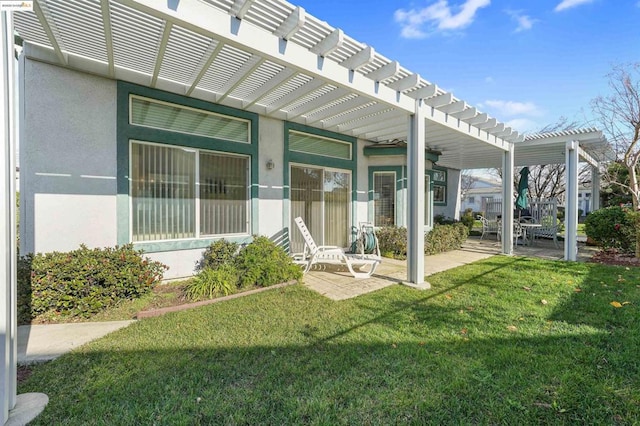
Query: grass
point(503, 341)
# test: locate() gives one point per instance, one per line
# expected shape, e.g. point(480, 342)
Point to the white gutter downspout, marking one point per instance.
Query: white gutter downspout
point(571, 205)
point(415, 181)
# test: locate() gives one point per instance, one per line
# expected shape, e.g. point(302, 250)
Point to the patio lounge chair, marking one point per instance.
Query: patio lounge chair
point(333, 255)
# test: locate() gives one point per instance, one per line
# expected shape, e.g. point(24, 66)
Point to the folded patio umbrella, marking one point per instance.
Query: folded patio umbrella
point(523, 189)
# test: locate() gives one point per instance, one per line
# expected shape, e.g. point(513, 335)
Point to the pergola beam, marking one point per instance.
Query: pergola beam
point(276, 81)
point(240, 8)
point(405, 83)
point(49, 27)
point(329, 44)
point(246, 69)
point(210, 55)
point(360, 59)
point(166, 32)
point(108, 36)
point(386, 71)
point(294, 23)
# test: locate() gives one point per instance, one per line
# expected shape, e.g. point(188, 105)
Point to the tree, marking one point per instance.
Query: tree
point(548, 180)
point(467, 180)
point(619, 116)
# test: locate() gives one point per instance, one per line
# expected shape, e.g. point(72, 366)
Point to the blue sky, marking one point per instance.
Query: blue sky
point(527, 63)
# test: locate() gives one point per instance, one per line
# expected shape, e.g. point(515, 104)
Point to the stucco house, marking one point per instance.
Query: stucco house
point(172, 124)
point(146, 126)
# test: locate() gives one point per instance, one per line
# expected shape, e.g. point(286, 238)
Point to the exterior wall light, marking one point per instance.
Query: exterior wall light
point(270, 164)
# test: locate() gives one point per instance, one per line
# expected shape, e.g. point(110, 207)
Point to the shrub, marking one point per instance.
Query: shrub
point(210, 283)
point(218, 253)
point(392, 241)
point(468, 219)
point(444, 238)
point(263, 263)
point(612, 228)
point(85, 281)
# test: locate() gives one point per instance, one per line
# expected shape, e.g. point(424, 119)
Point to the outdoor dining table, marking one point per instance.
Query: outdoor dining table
point(527, 229)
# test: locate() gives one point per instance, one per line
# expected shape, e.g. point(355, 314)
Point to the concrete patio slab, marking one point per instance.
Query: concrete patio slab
point(336, 283)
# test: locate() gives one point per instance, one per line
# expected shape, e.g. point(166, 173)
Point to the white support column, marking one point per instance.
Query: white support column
point(595, 189)
point(415, 177)
point(8, 330)
point(571, 203)
point(507, 201)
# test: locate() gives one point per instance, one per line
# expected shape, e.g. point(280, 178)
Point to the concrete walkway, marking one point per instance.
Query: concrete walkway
point(38, 343)
point(337, 283)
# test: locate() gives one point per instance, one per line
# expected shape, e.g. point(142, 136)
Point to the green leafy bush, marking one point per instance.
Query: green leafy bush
point(85, 281)
point(210, 283)
point(442, 238)
point(392, 241)
point(468, 219)
point(219, 253)
point(612, 228)
point(263, 263)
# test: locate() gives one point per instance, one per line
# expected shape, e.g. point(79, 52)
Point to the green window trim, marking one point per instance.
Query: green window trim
point(401, 184)
point(127, 132)
point(439, 185)
point(318, 160)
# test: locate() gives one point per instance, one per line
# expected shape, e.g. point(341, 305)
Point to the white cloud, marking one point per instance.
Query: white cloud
point(568, 4)
point(511, 108)
point(439, 16)
point(525, 22)
point(489, 80)
point(523, 125)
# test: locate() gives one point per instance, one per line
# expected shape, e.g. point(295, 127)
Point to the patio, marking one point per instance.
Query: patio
point(337, 283)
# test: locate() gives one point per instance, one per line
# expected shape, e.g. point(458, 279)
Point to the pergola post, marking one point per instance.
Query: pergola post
point(507, 201)
point(415, 216)
point(595, 188)
point(571, 204)
point(8, 327)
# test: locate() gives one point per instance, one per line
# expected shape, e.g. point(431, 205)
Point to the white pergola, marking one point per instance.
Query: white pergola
point(271, 58)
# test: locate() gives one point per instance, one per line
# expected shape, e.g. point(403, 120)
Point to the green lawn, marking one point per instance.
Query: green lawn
point(504, 341)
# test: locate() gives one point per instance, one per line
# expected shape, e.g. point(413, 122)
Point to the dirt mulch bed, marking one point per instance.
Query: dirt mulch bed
point(613, 257)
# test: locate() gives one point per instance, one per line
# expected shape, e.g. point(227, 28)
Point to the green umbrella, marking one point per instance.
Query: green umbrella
point(523, 189)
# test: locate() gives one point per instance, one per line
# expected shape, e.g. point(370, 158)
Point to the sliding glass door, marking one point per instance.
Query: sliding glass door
point(322, 197)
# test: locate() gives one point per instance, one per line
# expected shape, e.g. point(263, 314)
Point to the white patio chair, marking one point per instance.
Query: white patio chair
point(489, 226)
point(333, 255)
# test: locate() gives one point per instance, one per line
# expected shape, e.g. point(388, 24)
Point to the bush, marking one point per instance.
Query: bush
point(210, 283)
point(263, 263)
point(468, 219)
point(612, 228)
point(392, 241)
point(218, 253)
point(442, 238)
point(85, 281)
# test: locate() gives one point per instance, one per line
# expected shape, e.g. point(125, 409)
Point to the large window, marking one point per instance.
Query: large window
point(179, 193)
point(384, 198)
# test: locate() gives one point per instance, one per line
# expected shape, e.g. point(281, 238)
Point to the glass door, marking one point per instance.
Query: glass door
point(322, 198)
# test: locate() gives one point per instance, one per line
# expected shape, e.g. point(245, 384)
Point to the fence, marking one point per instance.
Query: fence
point(539, 209)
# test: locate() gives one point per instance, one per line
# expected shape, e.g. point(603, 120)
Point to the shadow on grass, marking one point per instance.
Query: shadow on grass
point(396, 356)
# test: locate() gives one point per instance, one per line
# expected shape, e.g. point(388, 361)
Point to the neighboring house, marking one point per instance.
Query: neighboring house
point(482, 191)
